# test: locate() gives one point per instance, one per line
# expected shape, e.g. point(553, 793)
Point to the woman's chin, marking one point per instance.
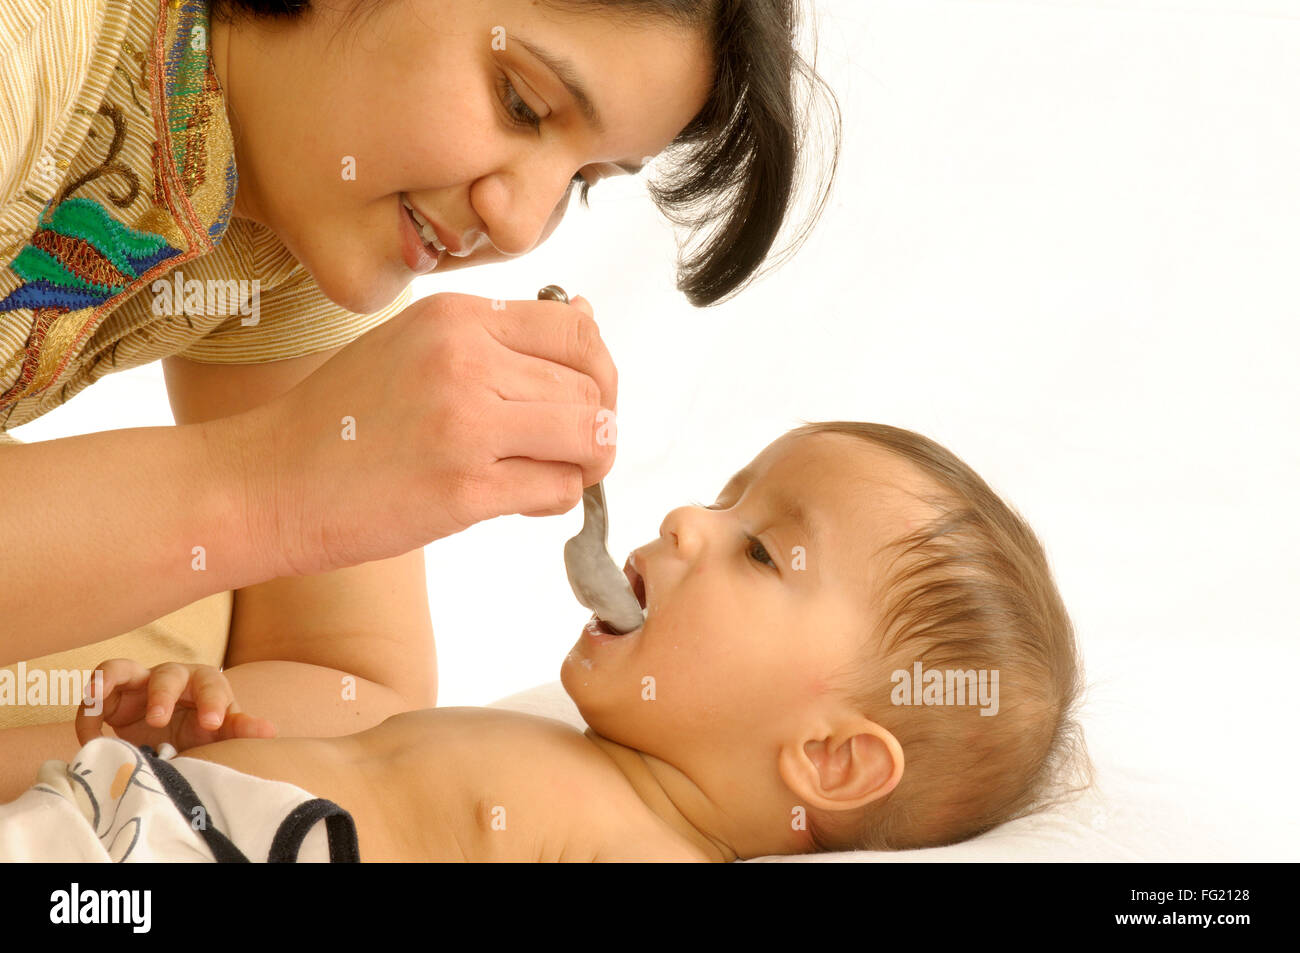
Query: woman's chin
point(362, 292)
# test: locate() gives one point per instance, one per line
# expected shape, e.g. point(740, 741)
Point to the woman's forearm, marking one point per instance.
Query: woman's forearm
point(104, 532)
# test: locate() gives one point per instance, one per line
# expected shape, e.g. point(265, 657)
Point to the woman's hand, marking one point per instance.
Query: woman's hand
point(183, 705)
point(457, 410)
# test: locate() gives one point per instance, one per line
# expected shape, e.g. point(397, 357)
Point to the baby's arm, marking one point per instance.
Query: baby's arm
point(297, 697)
point(307, 700)
point(368, 622)
point(23, 750)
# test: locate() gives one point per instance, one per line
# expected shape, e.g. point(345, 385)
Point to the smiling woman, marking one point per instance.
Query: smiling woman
point(324, 155)
point(483, 116)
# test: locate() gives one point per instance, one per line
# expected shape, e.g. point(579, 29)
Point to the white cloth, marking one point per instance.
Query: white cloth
point(108, 805)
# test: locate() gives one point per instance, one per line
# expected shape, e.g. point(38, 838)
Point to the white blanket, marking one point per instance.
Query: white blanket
point(108, 805)
point(1126, 816)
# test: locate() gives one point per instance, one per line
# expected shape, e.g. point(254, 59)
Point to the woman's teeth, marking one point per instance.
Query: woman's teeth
point(425, 230)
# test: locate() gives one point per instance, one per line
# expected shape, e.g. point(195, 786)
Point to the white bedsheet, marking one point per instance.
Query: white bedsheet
point(1129, 814)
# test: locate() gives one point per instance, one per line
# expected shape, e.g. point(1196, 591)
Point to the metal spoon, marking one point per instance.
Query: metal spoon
point(596, 579)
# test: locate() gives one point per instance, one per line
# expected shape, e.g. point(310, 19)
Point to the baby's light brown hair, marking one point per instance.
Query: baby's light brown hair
point(970, 590)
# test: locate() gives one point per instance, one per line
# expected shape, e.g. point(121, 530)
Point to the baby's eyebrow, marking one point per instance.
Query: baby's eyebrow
point(785, 505)
point(794, 510)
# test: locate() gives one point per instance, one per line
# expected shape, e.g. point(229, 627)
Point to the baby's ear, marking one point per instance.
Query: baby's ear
point(858, 763)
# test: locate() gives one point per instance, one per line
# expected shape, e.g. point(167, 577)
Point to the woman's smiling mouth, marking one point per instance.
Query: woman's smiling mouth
point(420, 256)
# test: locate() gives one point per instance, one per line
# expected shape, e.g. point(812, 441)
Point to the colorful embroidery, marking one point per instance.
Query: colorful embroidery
point(80, 259)
point(110, 163)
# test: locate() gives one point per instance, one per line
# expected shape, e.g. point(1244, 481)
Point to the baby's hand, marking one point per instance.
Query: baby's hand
point(183, 705)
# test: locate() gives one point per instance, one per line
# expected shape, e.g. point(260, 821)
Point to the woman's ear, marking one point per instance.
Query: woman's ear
point(840, 770)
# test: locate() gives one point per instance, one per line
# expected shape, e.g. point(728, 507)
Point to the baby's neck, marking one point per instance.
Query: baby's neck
point(687, 810)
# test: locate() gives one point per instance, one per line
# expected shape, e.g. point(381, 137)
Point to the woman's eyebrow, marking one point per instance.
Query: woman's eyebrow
point(567, 75)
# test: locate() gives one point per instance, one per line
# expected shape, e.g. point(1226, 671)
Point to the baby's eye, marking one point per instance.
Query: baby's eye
point(759, 552)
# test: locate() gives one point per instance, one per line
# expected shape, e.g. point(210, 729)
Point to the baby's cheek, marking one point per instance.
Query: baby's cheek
point(816, 685)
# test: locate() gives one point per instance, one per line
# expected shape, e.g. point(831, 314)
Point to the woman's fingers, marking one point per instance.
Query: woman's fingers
point(563, 333)
point(546, 454)
point(536, 379)
point(578, 434)
point(536, 488)
point(431, 427)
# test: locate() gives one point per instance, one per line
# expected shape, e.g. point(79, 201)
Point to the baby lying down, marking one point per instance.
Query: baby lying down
point(858, 646)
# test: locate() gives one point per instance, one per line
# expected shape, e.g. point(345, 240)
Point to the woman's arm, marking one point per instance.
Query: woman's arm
point(104, 532)
point(371, 619)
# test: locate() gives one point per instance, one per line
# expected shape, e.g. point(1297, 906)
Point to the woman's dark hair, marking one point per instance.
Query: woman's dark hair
point(732, 174)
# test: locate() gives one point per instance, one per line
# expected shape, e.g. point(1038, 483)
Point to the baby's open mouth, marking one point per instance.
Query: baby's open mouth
point(635, 580)
point(638, 589)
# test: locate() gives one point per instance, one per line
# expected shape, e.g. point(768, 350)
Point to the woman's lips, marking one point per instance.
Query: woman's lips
point(419, 257)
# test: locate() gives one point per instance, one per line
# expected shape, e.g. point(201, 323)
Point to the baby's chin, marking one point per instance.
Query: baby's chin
point(591, 686)
point(576, 678)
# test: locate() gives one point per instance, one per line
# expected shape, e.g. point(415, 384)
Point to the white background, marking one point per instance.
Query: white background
point(1064, 243)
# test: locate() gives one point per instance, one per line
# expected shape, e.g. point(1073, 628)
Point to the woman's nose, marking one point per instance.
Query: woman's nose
point(532, 211)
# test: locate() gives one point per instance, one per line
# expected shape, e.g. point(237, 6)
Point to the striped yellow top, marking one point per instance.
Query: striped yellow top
point(117, 179)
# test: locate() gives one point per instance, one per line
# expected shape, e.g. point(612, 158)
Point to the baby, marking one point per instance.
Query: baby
point(857, 646)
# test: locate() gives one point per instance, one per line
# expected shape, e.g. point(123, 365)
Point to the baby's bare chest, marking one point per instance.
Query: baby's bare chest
point(485, 788)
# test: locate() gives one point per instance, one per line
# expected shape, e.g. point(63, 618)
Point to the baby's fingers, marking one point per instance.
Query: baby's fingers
point(167, 685)
point(116, 687)
point(212, 696)
point(240, 725)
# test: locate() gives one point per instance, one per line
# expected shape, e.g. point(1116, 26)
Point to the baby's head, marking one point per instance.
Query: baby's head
point(857, 646)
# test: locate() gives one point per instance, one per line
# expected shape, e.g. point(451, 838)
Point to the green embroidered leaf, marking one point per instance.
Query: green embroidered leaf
point(35, 264)
point(90, 221)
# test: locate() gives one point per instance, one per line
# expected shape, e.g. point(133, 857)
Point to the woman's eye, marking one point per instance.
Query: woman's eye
point(759, 552)
point(520, 113)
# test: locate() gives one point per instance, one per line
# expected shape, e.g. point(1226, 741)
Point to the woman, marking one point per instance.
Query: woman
point(246, 194)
